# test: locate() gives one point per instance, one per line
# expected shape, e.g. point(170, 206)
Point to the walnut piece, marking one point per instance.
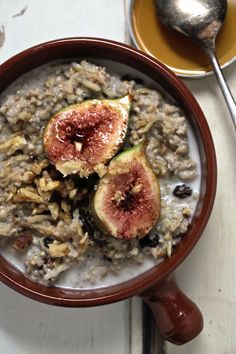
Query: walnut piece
point(54, 210)
point(28, 177)
point(37, 167)
point(100, 169)
point(13, 144)
point(73, 167)
point(60, 250)
point(47, 184)
point(27, 195)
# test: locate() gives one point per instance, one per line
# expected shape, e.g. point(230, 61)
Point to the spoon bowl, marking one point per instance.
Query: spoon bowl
point(197, 19)
point(201, 21)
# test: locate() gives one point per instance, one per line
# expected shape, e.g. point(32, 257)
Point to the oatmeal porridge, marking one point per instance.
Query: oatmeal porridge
point(46, 224)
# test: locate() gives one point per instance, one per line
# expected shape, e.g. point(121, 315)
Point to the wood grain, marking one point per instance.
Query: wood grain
point(208, 274)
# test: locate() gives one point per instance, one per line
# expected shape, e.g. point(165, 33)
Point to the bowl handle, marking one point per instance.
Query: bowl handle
point(178, 318)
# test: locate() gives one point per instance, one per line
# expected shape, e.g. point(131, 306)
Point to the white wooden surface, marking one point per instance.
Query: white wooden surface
point(208, 273)
point(30, 327)
point(49, 19)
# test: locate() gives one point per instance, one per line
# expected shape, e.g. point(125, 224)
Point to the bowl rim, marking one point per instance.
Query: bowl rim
point(79, 298)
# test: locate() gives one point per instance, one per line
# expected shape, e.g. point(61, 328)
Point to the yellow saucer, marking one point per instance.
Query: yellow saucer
point(179, 53)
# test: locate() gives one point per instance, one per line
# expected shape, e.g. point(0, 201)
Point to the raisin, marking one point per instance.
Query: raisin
point(23, 241)
point(55, 197)
point(88, 226)
point(149, 242)
point(182, 191)
point(33, 157)
point(87, 223)
point(47, 241)
point(106, 258)
point(48, 262)
point(100, 242)
point(87, 183)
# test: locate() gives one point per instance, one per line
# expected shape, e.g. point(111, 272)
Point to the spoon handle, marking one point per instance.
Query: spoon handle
point(223, 84)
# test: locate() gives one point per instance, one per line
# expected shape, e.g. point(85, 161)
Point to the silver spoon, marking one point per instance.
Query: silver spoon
point(201, 21)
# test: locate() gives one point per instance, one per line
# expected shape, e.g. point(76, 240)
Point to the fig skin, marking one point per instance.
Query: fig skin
point(83, 136)
point(126, 203)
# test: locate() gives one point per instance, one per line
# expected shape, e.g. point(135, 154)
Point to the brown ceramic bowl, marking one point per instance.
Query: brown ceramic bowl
point(177, 317)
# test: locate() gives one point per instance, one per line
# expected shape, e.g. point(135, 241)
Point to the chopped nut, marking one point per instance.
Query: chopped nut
point(119, 255)
point(54, 210)
point(11, 194)
point(158, 252)
point(27, 195)
point(60, 250)
point(72, 167)
point(65, 217)
point(195, 195)
point(187, 211)
point(134, 252)
point(6, 229)
point(65, 206)
point(73, 193)
point(45, 195)
point(31, 220)
point(5, 209)
point(37, 167)
point(84, 239)
point(47, 184)
point(39, 209)
point(28, 177)
point(100, 169)
point(167, 236)
point(169, 248)
point(13, 144)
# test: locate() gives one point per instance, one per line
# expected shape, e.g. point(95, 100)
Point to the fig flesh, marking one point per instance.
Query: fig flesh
point(82, 136)
point(126, 203)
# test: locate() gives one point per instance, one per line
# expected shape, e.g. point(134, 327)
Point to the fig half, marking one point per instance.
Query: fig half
point(126, 203)
point(85, 135)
